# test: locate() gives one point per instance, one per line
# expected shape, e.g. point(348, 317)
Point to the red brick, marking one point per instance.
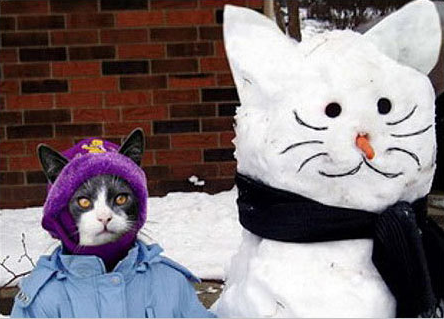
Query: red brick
point(3, 164)
point(178, 157)
point(24, 7)
point(175, 96)
point(225, 80)
point(143, 82)
point(29, 102)
point(26, 70)
point(12, 178)
point(78, 130)
point(124, 36)
point(194, 141)
point(95, 115)
point(7, 23)
point(194, 17)
point(157, 142)
point(211, 33)
point(94, 84)
point(139, 18)
point(41, 22)
point(79, 100)
point(67, 69)
point(145, 113)
point(190, 81)
point(9, 87)
point(90, 21)
point(18, 39)
point(173, 34)
point(190, 49)
point(11, 117)
point(221, 3)
point(226, 139)
point(217, 125)
point(137, 51)
point(22, 196)
point(173, 4)
point(255, 3)
point(200, 170)
point(220, 49)
point(29, 131)
point(214, 186)
point(148, 159)
point(192, 110)
point(59, 144)
point(123, 129)
point(214, 64)
point(228, 168)
point(154, 173)
point(47, 116)
point(8, 55)
point(12, 148)
point(24, 163)
point(174, 66)
point(128, 99)
point(74, 37)
point(70, 6)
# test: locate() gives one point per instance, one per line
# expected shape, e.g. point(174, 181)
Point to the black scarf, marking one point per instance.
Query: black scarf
point(408, 248)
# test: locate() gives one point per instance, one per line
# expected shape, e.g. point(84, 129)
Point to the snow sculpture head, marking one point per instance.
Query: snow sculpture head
point(343, 118)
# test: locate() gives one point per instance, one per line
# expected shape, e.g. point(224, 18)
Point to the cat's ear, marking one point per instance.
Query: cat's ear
point(51, 161)
point(255, 49)
point(412, 35)
point(134, 146)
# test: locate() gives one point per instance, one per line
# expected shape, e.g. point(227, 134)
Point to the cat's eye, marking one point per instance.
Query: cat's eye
point(384, 106)
point(333, 110)
point(84, 202)
point(121, 199)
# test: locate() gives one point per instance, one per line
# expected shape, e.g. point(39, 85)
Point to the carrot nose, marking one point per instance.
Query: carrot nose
point(363, 143)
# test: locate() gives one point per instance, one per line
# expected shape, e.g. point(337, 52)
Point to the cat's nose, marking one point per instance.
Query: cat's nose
point(105, 220)
point(363, 143)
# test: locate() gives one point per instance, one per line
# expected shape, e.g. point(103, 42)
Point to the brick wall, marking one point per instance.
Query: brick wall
point(77, 68)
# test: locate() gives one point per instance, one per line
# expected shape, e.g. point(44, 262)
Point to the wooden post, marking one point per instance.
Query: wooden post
point(294, 22)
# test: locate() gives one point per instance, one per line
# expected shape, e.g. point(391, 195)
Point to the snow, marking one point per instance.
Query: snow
point(198, 230)
point(285, 139)
point(195, 181)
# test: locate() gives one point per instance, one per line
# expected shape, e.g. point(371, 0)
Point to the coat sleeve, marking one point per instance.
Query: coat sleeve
point(190, 305)
point(34, 310)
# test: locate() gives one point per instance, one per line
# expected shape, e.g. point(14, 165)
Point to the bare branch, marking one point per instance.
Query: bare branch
point(25, 254)
point(280, 18)
point(294, 23)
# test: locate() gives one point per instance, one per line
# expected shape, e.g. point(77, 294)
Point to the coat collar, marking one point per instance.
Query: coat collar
point(85, 266)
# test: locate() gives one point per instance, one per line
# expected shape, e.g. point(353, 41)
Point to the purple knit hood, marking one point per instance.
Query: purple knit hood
point(89, 158)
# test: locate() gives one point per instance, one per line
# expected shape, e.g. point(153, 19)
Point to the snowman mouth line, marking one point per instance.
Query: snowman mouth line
point(358, 168)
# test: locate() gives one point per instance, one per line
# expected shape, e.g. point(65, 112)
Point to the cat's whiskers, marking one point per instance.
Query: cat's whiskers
point(292, 146)
point(312, 158)
point(404, 118)
point(422, 131)
point(409, 153)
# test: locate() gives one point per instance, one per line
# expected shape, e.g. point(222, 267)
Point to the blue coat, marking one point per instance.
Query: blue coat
point(144, 284)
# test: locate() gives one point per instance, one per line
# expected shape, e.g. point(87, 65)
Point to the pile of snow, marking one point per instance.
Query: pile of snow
point(198, 230)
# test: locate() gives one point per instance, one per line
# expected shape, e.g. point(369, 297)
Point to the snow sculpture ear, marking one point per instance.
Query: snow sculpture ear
point(412, 35)
point(256, 49)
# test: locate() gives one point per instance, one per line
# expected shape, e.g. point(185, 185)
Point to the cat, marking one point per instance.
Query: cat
point(343, 119)
point(104, 207)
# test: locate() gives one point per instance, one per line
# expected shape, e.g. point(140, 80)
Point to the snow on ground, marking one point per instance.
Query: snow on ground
point(198, 230)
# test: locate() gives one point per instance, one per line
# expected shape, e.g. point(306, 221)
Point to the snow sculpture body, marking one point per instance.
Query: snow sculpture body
point(344, 119)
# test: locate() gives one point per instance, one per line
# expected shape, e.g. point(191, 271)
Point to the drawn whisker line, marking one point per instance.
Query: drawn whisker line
point(311, 158)
point(388, 175)
point(404, 118)
point(316, 128)
point(411, 154)
point(300, 144)
point(414, 133)
point(351, 172)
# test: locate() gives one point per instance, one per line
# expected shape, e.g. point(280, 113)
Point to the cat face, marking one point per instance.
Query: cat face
point(104, 207)
point(332, 118)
